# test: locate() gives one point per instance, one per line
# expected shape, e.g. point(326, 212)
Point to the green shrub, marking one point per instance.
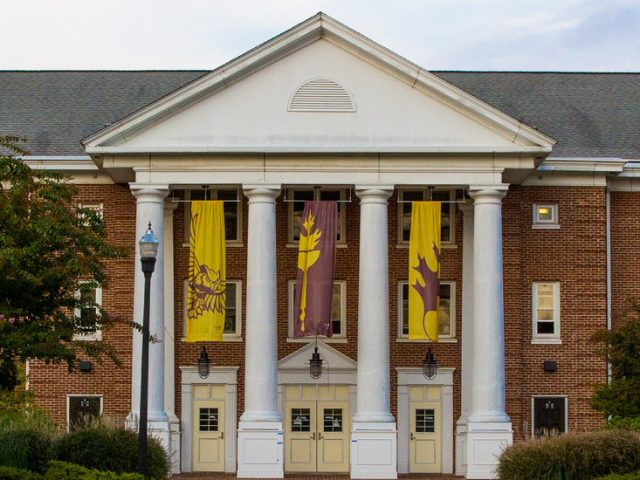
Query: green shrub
point(572, 456)
point(110, 449)
point(12, 473)
point(25, 448)
point(69, 471)
point(616, 476)
point(626, 423)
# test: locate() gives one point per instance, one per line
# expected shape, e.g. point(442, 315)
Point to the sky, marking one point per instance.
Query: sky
point(517, 35)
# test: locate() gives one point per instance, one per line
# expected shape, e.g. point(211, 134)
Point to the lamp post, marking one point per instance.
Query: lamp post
point(148, 253)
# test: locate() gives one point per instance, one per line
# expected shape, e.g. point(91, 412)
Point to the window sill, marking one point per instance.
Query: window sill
point(97, 337)
point(312, 339)
point(231, 244)
point(545, 226)
point(445, 246)
point(225, 338)
point(295, 245)
point(546, 341)
point(441, 340)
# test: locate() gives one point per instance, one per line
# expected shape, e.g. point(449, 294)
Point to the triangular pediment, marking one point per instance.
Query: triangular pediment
point(332, 358)
point(319, 87)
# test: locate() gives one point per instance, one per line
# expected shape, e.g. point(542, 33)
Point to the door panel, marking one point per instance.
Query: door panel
point(425, 430)
point(333, 436)
point(300, 431)
point(208, 435)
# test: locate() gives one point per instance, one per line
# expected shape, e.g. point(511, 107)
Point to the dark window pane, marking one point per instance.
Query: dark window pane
point(208, 419)
point(425, 420)
point(405, 309)
point(444, 309)
point(231, 206)
point(548, 416)
point(332, 420)
point(299, 197)
point(409, 196)
point(198, 194)
point(82, 411)
point(546, 328)
point(230, 321)
point(300, 420)
point(334, 195)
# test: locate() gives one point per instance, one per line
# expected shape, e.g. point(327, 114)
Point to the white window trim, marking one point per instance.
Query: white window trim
point(452, 315)
point(545, 338)
point(342, 243)
point(452, 196)
point(342, 338)
point(89, 337)
point(533, 412)
point(100, 396)
point(539, 224)
point(213, 191)
point(226, 337)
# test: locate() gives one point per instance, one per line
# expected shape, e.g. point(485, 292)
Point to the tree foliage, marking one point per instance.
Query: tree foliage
point(621, 345)
point(50, 250)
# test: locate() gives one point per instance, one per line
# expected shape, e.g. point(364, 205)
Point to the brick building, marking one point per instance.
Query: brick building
point(539, 234)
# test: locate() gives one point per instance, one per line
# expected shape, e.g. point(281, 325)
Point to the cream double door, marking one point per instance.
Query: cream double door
point(425, 422)
point(317, 428)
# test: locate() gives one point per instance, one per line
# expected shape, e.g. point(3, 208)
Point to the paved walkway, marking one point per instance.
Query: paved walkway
point(309, 476)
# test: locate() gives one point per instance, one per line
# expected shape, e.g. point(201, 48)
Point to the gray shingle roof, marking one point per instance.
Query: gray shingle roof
point(590, 114)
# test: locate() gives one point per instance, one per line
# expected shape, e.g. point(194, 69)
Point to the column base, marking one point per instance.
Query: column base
point(461, 447)
point(260, 450)
point(174, 433)
point(374, 450)
point(485, 443)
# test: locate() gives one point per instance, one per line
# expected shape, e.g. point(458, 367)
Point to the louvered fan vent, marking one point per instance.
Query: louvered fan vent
point(321, 95)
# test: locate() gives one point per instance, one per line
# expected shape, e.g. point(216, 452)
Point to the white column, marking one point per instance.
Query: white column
point(466, 382)
point(169, 336)
point(150, 209)
point(488, 426)
point(373, 434)
point(260, 436)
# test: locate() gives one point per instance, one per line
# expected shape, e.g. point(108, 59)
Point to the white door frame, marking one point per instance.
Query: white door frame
point(413, 376)
point(227, 376)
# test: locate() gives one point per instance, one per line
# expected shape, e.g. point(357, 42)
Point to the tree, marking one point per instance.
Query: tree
point(621, 397)
point(50, 252)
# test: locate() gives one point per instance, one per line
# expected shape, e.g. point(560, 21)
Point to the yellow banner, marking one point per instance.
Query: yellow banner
point(424, 270)
point(206, 297)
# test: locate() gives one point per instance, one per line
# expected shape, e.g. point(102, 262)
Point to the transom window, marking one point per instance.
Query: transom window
point(297, 197)
point(338, 308)
point(405, 197)
point(232, 322)
point(232, 198)
point(446, 310)
point(546, 312)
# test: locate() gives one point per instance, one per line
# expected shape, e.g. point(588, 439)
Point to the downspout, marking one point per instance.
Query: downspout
point(607, 206)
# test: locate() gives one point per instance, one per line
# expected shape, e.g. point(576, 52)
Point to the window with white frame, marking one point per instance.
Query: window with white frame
point(296, 198)
point(545, 215)
point(406, 196)
point(338, 308)
point(82, 410)
point(546, 312)
point(549, 416)
point(232, 198)
point(446, 310)
point(90, 299)
point(98, 208)
point(233, 311)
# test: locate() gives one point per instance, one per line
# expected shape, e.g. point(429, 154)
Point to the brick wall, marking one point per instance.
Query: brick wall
point(573, 255)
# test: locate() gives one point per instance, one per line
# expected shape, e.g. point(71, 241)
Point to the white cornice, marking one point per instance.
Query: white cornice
point(62, 163)
point(582, 164)
point(318, 26)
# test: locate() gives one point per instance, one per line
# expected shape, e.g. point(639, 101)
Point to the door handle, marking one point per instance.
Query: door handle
point(221, 435)
point(313, 436)
point(412, 436)
point(320, 437)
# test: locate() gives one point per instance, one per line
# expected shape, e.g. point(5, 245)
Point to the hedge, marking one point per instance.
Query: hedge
point(13, 473)
point(576, 456)
point(616, 476)
point(69, 471)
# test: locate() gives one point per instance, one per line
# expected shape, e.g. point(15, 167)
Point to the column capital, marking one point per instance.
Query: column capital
point(149, 190)
point(261, 193)
point(374, 193)
point(466, 208)
point(488, 193)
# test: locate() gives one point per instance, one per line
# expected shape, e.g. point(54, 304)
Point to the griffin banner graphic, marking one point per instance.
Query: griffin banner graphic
point(424, 270)
point(316, 267)
point(206, 296)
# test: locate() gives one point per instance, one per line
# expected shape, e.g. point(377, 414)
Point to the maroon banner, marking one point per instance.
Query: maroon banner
point(316, 267)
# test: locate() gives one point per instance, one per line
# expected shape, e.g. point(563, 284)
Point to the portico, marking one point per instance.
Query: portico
point(238, 128)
